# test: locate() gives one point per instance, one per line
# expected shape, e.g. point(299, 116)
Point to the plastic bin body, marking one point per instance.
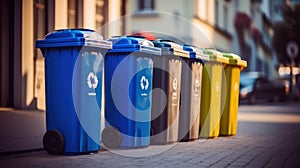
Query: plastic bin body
point(159, 109)
point(128, 96)
point(72, 104)
point(230, 113)
point(189, 121)
point(211, 94)
point(166, 78)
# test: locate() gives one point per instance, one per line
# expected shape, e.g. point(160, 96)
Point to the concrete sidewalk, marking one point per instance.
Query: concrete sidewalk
point(21, 130)
point(268, 136)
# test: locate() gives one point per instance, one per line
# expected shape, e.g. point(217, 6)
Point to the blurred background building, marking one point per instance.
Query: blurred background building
point(245, 27)
point(22, 22)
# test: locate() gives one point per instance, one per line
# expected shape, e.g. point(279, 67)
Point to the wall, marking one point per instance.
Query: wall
point(171, 17)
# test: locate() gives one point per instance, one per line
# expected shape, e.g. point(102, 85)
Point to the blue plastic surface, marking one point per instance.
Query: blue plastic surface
point(72, 38)
point(128, 85)
point(73, 77)
point(196, 53)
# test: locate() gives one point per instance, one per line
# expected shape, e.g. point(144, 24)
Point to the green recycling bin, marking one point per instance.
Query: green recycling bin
point(228, 123)
point(211, 101)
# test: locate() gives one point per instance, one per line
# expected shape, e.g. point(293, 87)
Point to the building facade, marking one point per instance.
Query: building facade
point(243, 27)
point(23, 21)
point(240, 26)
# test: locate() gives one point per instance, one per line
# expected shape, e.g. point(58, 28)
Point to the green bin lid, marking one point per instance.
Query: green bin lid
point(235, 59)
point(216, 56)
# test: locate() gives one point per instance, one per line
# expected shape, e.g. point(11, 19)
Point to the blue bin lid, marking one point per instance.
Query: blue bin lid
point(169, 46)
point(196, 52)
point(133, 44)
point(73, 38)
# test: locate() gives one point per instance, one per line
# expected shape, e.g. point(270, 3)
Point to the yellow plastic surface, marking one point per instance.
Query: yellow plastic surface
point(230, 95)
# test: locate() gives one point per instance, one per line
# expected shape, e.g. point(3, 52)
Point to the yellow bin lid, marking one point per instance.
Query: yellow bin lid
point(216, 56)
point(235, 59)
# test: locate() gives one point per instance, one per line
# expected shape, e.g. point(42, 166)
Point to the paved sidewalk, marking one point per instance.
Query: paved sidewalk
point(268, 136)
point(21, 130)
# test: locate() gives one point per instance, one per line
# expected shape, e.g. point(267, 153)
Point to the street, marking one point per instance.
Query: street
point(268, 136)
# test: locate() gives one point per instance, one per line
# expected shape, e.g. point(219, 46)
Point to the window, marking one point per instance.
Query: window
point(225, 19)
point(217, 13)
point(252, 11)
point(145, 5)
point(236, 3)
point(75, 13)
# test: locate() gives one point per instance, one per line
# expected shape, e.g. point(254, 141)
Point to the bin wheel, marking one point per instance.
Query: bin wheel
point(53, 142)
point(111, 137)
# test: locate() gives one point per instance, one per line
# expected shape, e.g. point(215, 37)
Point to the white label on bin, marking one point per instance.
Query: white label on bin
point(217, 86)
point(92, 82)
point(197, 87)
point(175, 84)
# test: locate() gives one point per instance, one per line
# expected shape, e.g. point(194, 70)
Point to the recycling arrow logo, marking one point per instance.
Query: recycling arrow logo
point(175, 84)
point(92, 80)
point(144, 83)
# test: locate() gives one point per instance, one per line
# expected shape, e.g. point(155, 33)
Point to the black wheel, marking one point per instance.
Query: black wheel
point(54, 142)
point(111, 137)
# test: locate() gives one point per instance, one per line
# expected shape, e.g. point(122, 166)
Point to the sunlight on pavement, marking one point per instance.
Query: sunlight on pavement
point(269, 117)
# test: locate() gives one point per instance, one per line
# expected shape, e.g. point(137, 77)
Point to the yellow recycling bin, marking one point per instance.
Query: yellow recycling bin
point(230, 112)
point(210, 113)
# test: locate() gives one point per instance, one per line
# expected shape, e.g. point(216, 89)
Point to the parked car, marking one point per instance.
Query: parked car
point(256, 86)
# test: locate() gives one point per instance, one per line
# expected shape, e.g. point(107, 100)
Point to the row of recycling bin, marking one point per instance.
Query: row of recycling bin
point(156, 92)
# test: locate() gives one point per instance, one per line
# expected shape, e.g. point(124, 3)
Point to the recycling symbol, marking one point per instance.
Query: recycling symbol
point(144, 83)
point(92, 80)
point(175, 83)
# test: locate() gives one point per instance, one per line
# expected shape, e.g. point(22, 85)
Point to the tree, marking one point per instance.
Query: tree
point(288, 30)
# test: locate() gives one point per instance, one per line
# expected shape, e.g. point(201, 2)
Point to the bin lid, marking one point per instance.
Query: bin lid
point(235, 59)
point(73, 38)
point(170, 47)
point(215, 55)
point(196, 52)
point(133, 44)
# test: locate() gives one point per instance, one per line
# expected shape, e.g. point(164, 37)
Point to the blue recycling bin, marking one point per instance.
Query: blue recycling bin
point(73, 75)
point(128, 86)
